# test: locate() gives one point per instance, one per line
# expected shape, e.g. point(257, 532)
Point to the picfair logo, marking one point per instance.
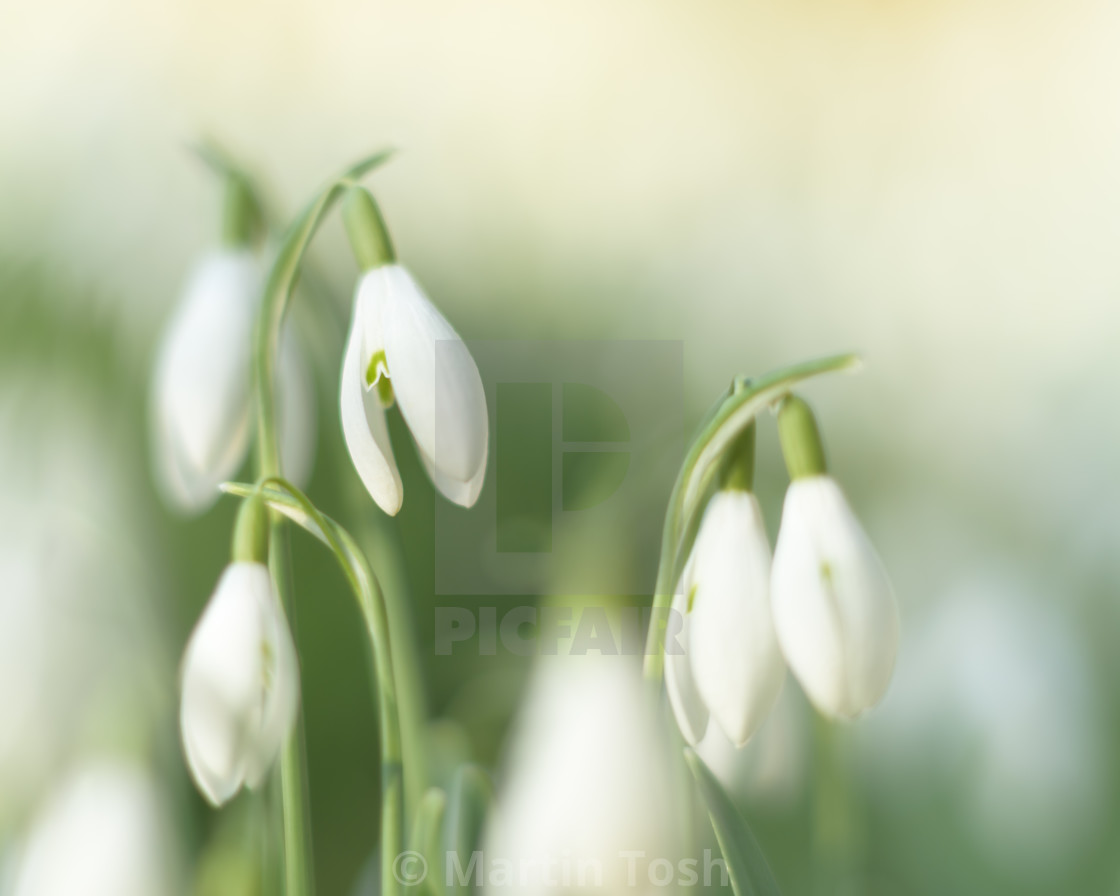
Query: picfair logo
point(583, 436)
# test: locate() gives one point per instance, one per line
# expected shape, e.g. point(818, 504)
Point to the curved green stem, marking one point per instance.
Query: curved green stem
point(699, 471)
point(274, 304)
point(288, 500)
point(266, 340)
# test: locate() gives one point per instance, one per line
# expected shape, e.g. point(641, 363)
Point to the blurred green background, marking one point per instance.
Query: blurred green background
point(934, 185)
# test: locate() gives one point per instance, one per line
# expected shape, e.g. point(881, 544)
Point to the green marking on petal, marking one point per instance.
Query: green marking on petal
point(267, 662)
point(377, 375)
point(691, 598)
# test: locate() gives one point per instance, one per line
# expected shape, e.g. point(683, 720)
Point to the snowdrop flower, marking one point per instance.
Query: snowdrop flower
point(401, 349)
point(104, 832)
point(240, 678)
point(588, 780)
point(834, 608)
point(729, 666)
point(201, 383)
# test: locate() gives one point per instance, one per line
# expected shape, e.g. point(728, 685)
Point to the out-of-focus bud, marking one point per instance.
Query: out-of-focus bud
point(588, 784)
point(834, 609)
point(102, 833)
point(200, 385)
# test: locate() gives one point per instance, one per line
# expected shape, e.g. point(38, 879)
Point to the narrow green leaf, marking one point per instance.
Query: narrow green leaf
point(472, 795)
point(427, 840)
point(746, 865)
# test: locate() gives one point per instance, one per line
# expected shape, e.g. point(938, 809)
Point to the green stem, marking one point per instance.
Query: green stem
point(266, 340)
point(294, 802)
point(836, 830)
point(700, 469)
point(383, 542)
point(371, 602)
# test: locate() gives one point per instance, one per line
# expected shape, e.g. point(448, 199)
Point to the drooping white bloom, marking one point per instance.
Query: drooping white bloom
point(731, 660)
point(240, 684)
point(588, 782)
point(200, 387)
point(834, 608)
point(401, 347)
point(103, 832)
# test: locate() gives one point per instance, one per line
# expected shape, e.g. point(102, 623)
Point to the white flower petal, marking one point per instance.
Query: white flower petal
point(834, 610)
point(281, 702)
point(240, 684)
point(363, 425)
point(734, 654)
point(221, 703)
point(435, 379)
point(691, 714)
point(200, 386)
point(465, 494)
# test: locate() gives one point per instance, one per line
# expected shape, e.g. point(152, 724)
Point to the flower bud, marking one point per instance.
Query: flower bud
point(103, 832)
point(588, 783)
point(200, 386)
point(734, 664)
point(240, 684)
point(834, 609)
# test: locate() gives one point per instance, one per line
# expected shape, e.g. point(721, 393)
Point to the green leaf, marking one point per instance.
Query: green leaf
point(746, 865)
point(472, 795)
point(427, 840)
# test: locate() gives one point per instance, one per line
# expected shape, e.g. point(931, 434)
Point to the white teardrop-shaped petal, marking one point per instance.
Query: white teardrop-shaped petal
point(435, 379)
point(363, 419)
point(734, 654)
point(200, 386)
point(240, 683)
point(688, 708)
point(295, 415)
point(281, 702)
point(834, 609)
point(465, 494)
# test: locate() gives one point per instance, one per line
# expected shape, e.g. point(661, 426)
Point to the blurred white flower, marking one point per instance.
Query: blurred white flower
point(834, 609)
point(240, 684)
point(400, 347)
point(729, 648)
point(103, 832)
point(995, 690)
point(83, 654)
point(201, 383)
point(587, 779)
